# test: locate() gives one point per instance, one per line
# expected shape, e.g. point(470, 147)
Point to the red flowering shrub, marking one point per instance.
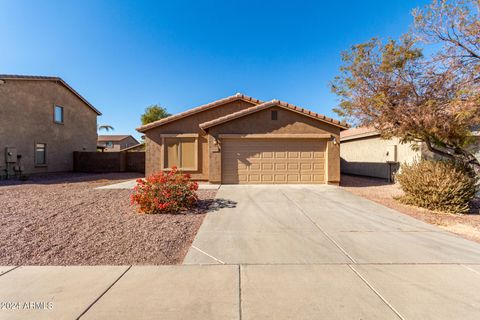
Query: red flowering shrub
point(165, 192)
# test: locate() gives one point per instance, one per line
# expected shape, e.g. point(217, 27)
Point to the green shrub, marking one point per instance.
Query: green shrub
point(437, 185)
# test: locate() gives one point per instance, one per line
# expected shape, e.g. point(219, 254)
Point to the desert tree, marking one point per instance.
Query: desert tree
point(393, 87)
point(455, 25)
point(153, 113)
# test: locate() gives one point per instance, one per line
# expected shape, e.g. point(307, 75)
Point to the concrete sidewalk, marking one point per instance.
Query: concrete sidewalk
point(310, 291)
point(281, 252)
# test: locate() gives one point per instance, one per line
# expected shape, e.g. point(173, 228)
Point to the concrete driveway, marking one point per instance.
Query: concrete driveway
point(313, 252)
point(318, 225)
point(273, 252)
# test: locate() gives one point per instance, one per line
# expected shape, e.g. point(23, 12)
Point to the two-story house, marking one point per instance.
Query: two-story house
point(42, 122)
point(116, 142)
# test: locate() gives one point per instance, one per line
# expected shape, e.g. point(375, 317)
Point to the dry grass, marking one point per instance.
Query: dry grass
point(378, 190)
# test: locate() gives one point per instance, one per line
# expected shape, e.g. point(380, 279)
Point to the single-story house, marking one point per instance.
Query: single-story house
point(242, 140)
point(43, 121)
point(363, 152)
point(115, 142)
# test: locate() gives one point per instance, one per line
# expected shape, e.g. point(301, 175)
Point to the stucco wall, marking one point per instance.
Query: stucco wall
point(288, 122)
point(26, 118)
point(190, 124)
point(367, 156)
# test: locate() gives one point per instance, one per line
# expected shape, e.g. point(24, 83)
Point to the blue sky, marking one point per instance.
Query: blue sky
point(125, 55)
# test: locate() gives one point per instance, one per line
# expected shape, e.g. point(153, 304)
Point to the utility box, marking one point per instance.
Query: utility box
point(10, 155)
point(391, 153)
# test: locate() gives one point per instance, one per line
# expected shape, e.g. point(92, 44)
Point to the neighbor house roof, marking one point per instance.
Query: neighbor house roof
point(54, 79)
point(358, 133)
point(137, 146)
point(269, 104)
point(114, 137)
point(364, 132)
point(198, 109)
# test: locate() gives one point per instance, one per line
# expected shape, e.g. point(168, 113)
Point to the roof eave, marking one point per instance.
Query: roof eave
point(196, 110)
point(206, 125)
point(54, 79)
point(80, 97)
point(360, 136)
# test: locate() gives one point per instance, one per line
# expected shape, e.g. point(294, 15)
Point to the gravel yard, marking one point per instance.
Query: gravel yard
point(378, 190)
point(63, 220)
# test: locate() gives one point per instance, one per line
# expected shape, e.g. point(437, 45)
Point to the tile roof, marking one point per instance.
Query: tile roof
point(198, 109)
point(357, 133)
point(363, 132)
point(54, 79)
point(265, 105)
point(112, 137)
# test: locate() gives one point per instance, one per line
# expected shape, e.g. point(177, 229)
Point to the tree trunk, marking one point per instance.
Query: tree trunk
point(459, 155)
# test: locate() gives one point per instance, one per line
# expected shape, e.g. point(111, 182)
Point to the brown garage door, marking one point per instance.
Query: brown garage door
point(273, 161)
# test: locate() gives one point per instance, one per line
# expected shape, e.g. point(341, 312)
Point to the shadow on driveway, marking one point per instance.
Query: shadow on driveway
point(212, 205)
point(348, 180)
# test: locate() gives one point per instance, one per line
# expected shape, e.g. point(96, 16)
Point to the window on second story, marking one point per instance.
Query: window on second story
point(109, 144)
point(58, 114)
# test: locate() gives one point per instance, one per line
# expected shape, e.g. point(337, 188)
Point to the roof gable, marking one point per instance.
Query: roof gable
point(198, 109)
point(114, 137)
point(53, 79)
point(269, 104)
point(358, 133)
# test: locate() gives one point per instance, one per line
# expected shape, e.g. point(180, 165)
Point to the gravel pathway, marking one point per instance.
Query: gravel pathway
point(64, 220)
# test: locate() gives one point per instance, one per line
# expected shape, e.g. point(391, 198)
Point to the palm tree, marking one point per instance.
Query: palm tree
point(105, 127)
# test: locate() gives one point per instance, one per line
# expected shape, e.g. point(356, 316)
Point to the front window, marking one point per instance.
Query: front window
point(180, 152)
point(109, 144)
point(40, 154)
point(58, 114)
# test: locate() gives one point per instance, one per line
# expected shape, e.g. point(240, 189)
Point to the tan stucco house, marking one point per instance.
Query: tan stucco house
point(242, 140)
point(363, 152)
point(116, 142)
point(42, 122)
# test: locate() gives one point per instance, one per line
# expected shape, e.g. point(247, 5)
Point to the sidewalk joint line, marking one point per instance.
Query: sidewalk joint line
point(376, 292)
point(340, 264)
point(104, 292)
point(14, 268)
point(240, 291)
point(473, 270)
point(319, 228)
point(209, 255)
